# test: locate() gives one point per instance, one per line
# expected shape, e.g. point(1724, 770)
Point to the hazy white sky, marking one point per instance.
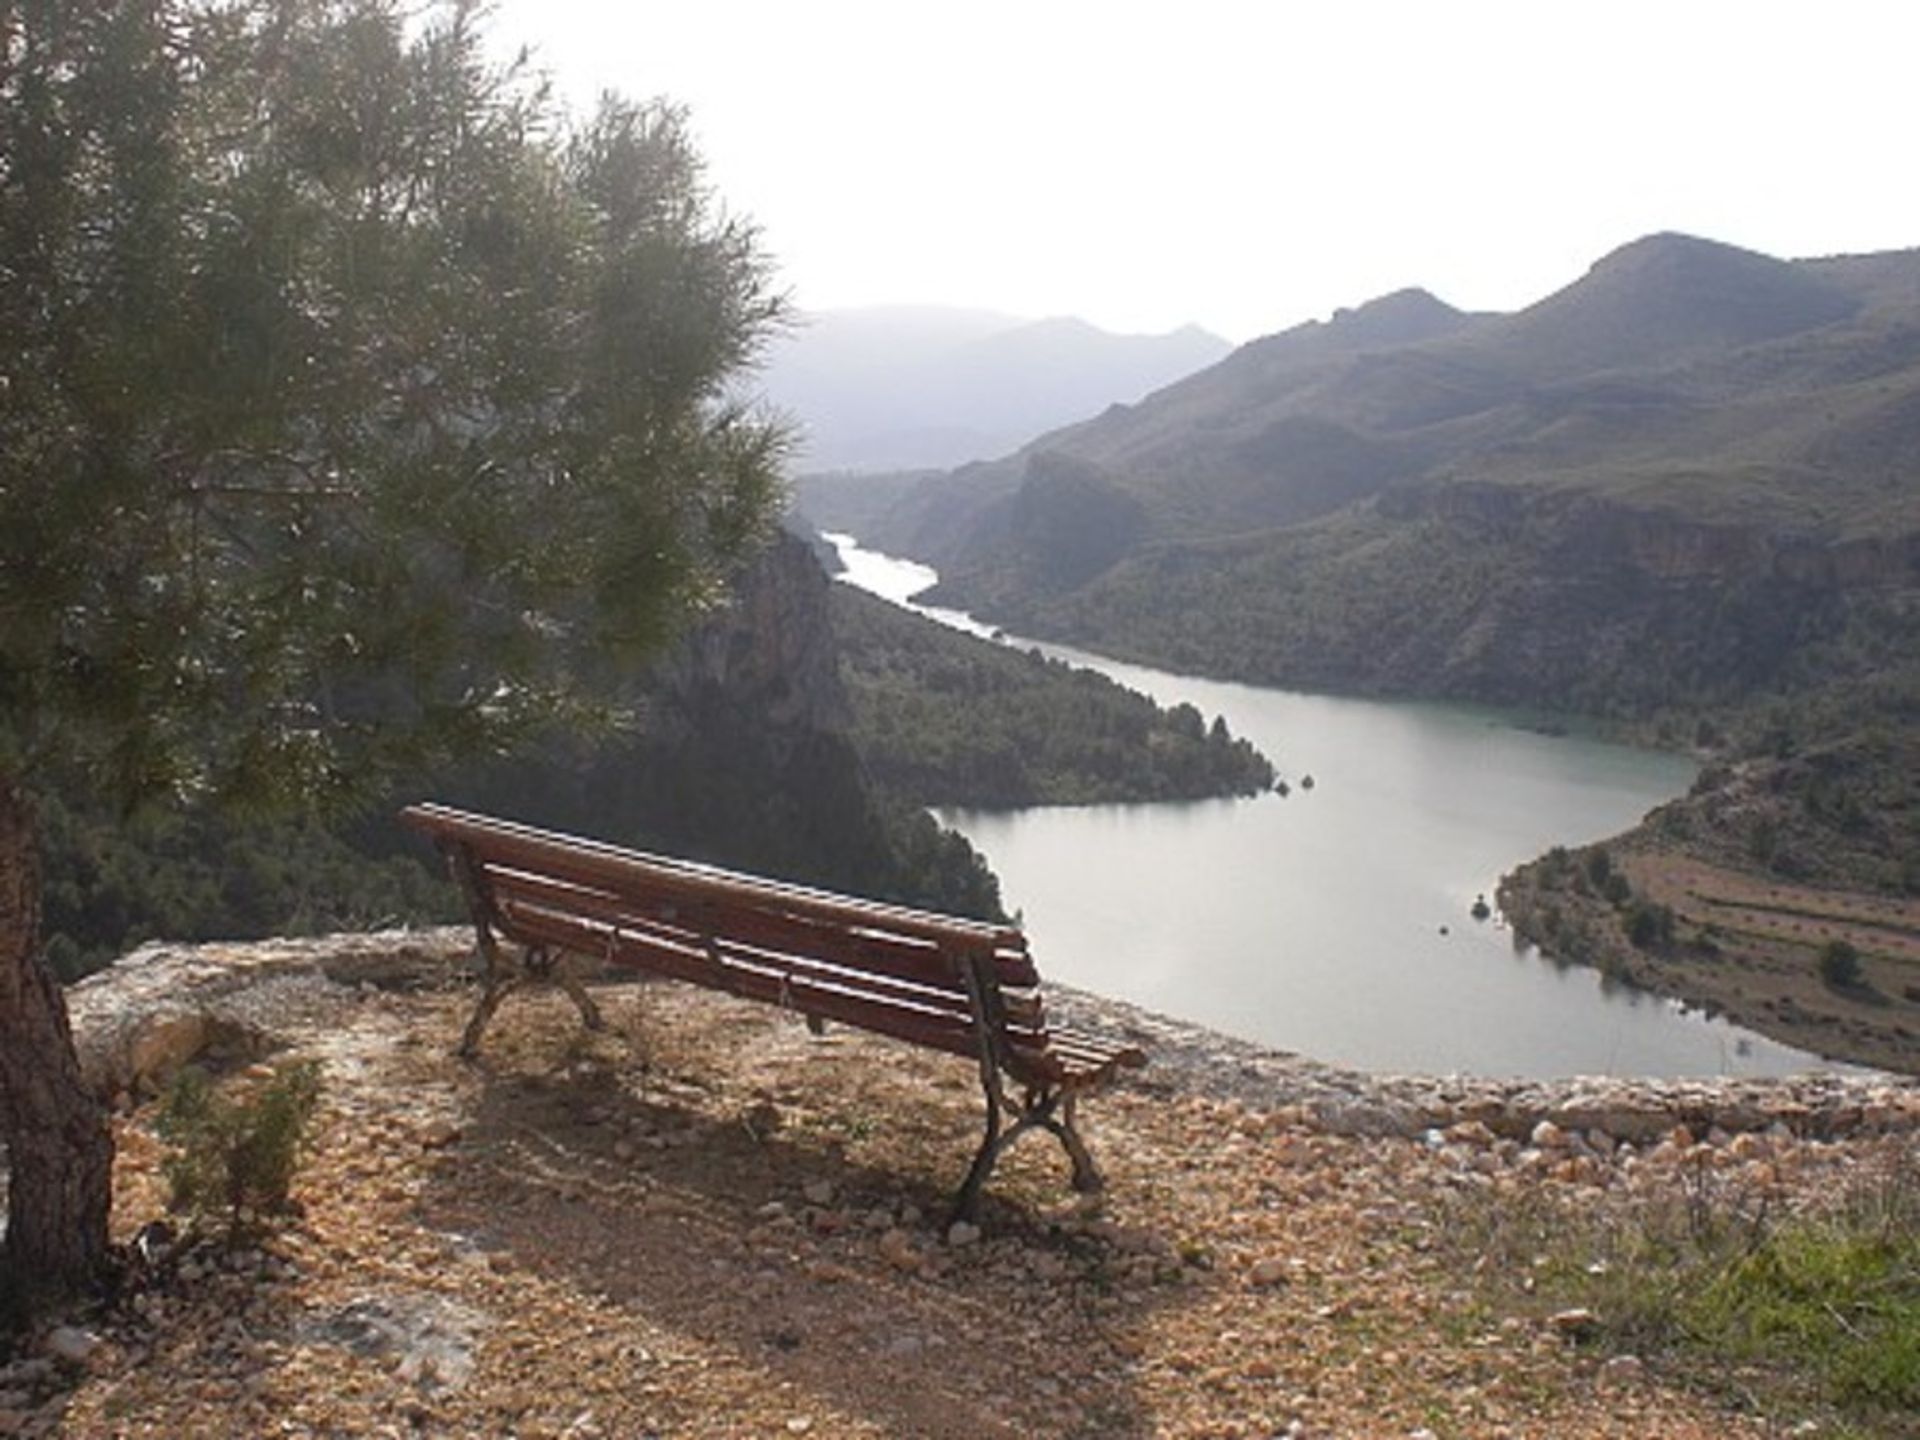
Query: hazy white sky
point(1248, 166)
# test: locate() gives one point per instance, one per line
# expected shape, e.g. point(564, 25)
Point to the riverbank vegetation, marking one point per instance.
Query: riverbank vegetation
point(948, 719)
point(1803, 838)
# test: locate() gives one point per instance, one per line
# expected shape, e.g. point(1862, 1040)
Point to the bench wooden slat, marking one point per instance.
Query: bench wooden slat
point(918, 961)
point(937, 1030)
point(588, 861)
point(1025, 1015)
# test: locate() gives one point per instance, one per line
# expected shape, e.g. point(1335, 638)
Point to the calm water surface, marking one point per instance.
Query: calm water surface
point(1335, 922)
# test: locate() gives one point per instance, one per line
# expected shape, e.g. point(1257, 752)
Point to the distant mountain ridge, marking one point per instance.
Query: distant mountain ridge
point(898, 387)
point(1694, 454)
point(1682, 491)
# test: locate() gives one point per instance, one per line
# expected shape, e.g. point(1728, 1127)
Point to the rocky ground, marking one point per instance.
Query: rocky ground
point(706, 1221)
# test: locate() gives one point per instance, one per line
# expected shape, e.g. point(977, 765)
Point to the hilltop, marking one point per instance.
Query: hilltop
point(707, 1222)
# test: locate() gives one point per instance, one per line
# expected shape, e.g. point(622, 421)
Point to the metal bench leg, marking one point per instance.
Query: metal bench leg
point(966, 1204)
point(557, 969)
point(1086, 1175)
point(497, 981)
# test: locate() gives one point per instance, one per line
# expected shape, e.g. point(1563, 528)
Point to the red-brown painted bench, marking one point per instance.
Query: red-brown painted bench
point(932, 980)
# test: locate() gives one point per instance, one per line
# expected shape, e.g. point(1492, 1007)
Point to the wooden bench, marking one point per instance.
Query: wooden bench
point(938, 981)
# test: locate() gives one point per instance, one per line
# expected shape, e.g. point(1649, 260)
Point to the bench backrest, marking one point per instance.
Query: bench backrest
point(914, 974)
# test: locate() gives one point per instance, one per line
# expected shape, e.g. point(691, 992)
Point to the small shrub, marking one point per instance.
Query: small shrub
point(1599, 865)
point(235, 1159)
point(1840, 964)
point(1649, 925)
point(1618, 889)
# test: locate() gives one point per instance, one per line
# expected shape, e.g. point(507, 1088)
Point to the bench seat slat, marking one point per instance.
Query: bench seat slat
point(919, 961)
point(634, 943)
point(946, 1031)
point(1023, 1009)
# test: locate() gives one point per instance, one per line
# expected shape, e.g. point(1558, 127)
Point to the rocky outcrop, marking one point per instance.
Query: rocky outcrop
point(163, 1006)
point(770, 650)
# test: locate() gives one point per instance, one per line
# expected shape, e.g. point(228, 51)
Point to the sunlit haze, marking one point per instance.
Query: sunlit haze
point(1249, 166)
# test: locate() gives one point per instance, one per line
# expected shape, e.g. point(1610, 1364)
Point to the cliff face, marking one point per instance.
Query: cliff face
point(743, 757)
point(769, 652)
point(1560, 599)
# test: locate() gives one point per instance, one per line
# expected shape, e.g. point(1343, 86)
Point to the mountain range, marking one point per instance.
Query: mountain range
point(1682, 492)
point(895, 387)
point(1661, 484)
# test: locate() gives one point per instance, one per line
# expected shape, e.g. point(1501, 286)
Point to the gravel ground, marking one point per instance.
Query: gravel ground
point(706, 1222)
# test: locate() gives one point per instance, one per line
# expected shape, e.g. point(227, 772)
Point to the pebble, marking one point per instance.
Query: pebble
point(1573, 1323)
point(962, 1233)
point(818, 1192)
point(1549, 1136)
point(898, 1250)
point(1267, 1270)
point(438, 1134)
point(1622, 1370)
point(66, 1342)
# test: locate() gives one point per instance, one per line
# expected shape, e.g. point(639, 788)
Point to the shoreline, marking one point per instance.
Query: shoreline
point(1767, 983)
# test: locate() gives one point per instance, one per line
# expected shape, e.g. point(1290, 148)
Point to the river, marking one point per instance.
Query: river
point(1336, 922)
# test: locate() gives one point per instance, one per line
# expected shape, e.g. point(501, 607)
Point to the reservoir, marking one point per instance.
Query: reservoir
point(1336, 922)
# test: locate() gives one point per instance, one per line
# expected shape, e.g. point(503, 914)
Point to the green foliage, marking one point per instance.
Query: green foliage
point(1649, 925)
point(112, 881)
point(943, 718)
point(1818, 1307)
point(234, 1159)
point(1599, 865)
point(336, 448)
point(1840, 964)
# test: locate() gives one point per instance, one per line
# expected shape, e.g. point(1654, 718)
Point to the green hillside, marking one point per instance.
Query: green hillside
point(1687, 477)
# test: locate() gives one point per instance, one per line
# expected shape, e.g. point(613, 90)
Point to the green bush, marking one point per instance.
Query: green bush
point(1649, 925)
point(234, 1159)
point(1840, 964)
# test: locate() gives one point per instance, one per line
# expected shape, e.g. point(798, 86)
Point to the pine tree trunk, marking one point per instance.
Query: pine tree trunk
point(59, 1146)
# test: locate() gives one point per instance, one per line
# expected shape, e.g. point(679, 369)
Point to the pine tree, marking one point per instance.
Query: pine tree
point(356, 412)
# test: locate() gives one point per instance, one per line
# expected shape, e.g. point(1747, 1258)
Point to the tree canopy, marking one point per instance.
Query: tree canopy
point(356, 410)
